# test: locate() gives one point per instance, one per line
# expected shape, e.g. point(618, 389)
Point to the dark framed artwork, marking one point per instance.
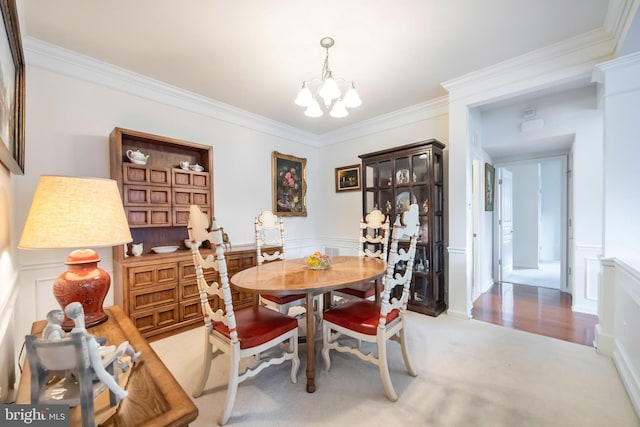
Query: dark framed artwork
point(11, 90)
point(348, 178)
point(289, 184)
point(489, 186)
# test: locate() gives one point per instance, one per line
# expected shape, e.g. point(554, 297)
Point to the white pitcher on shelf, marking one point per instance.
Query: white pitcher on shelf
point(136, 249)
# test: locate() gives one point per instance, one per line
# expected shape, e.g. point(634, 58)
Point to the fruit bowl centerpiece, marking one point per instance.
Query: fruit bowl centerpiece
point(318, 261)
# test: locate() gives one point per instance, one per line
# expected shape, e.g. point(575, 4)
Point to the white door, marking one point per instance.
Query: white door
point(506, 222)
point(477, 201)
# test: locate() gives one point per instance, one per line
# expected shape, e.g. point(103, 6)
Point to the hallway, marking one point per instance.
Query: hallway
point(548, 275)
point(538, 310)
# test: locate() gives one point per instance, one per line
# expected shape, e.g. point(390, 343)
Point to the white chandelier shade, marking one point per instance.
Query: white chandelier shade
point(328, 90)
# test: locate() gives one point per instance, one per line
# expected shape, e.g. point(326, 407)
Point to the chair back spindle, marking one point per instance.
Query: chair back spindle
point(269, 230)
point(198, 229)
point(393, 278)
point(374, 235)
point(270, 246)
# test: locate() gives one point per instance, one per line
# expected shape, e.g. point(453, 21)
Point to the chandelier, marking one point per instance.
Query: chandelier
point(327, 89)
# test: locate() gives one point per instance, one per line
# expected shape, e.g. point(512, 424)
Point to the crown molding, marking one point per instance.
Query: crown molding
point(619, 17)
point(402, 117)
point(572, 59)
point(73, 64)
point(621, 62)
point(69, 63)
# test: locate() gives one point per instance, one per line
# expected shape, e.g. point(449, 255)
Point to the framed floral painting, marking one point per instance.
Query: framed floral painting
point(289, 184)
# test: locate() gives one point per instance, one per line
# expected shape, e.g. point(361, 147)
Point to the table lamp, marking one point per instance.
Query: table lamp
point(70, 212)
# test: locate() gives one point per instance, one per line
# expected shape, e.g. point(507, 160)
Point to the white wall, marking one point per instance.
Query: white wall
point(619, 286)
point(339, 213)
point(525, 215)
point(483, 229)
point(550, 207)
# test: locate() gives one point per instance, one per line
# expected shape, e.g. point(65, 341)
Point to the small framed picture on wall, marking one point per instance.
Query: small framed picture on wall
point(348, 178)
point(489, 186)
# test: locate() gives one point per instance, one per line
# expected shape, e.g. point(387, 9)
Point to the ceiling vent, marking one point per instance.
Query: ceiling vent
point(530, 121)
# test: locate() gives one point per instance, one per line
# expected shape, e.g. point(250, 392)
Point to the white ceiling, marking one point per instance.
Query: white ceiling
point(254, 54)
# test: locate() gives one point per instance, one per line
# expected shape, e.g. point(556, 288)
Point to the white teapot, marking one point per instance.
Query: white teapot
point(137, 157)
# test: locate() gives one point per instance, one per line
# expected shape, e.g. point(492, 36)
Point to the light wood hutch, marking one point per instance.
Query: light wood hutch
point(158, 292)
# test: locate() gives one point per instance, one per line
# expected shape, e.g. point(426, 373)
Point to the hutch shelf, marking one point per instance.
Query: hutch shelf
point(392, 180)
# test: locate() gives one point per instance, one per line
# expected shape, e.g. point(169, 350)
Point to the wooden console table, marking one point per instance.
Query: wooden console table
point(155, 397)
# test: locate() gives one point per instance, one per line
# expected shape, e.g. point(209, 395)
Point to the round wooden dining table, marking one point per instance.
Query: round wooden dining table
point(292, 276)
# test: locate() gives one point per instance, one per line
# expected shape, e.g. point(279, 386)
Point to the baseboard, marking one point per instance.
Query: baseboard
point(631, 382)
point(586, 309)
point(604, 343)
point(458, 314)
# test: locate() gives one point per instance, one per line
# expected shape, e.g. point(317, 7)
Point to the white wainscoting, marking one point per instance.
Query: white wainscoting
point(459, 281)
point(335, 246)
point(618, 331)
point(586, 269)
point(7, 346)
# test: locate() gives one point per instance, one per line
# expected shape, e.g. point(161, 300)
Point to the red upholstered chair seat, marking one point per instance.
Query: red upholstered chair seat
point(257, 325)
point(283, 299)
point(358, 315)
point(364, 293)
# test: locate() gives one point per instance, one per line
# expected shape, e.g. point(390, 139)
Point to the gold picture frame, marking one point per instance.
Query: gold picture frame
point(12, 92)
point(348, 178)
point(289, 182)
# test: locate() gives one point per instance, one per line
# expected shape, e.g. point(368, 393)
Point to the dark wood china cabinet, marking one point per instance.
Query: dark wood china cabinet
point(392, 180)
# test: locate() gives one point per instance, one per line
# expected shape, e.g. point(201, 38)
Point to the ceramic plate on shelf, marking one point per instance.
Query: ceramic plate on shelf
point(164, 249)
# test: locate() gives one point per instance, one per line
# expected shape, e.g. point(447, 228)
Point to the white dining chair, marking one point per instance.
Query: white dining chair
point(373, 242)
point(269, 336)
point(378, 322)
point(271, 246)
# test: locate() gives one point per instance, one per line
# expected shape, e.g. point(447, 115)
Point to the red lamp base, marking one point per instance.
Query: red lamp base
point(85, 283)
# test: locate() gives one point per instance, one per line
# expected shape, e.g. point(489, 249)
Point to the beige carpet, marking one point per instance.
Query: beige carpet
point(470, 373)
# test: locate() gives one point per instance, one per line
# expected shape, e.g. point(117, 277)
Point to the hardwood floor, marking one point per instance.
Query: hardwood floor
point(534, 309)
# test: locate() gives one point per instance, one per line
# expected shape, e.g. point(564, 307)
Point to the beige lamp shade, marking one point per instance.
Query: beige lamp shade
point(70, 212)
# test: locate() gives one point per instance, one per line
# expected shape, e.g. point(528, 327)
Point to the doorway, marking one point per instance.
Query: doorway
point(531, 223)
